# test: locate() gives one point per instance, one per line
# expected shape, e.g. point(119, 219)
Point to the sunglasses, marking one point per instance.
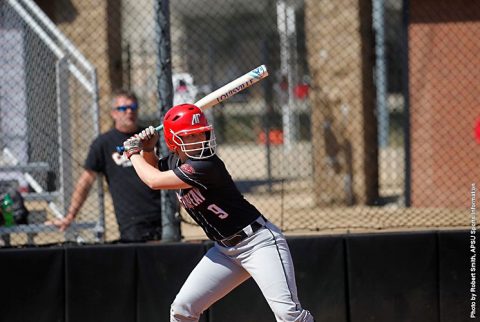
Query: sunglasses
point(124, 108)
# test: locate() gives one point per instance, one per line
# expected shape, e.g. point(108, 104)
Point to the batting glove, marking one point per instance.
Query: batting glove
point(149, 138)
point(132, 146)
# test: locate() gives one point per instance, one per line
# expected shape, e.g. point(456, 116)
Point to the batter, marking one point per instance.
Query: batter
point(246, 243)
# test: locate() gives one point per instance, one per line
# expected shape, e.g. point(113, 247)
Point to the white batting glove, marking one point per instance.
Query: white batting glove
point(149, 137)
point(132, 146)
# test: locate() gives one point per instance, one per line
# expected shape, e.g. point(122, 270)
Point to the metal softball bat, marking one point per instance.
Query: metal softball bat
point(226, 91)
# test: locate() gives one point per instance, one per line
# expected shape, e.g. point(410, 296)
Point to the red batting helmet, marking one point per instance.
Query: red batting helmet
point(188, 119)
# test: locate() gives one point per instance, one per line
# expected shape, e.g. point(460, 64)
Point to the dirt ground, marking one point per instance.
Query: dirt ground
point(290, 203)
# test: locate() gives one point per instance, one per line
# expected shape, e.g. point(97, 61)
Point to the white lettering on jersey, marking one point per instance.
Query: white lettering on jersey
point(186, 202)
point(197, 196)
point(194, 198)
point(195, 118)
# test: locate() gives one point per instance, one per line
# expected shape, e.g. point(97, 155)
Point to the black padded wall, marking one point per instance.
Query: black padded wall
point(320, 272)
point(421, 276)
point(454, 276)
point(32, 285)
point(393, 277)
point(161, 273)
point(100, 283)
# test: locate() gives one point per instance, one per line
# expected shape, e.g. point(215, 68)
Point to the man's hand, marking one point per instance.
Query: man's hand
point(61, 223)
point(133, 146)
point(149, 138)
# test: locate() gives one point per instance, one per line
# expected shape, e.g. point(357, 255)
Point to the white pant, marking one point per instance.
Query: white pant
point(265, 256)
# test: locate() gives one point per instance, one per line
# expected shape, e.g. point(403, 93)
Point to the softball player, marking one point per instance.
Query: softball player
point(246, 243)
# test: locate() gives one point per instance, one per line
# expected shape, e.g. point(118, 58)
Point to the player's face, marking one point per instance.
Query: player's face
point(194, 142)
point(193, 138)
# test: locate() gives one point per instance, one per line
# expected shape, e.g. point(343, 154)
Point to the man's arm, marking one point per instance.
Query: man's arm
point(80, 194)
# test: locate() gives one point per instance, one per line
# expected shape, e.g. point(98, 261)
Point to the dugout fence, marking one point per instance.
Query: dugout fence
point(37, 143)
point(368, 120)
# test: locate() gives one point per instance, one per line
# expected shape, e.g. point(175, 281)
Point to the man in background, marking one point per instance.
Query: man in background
point(137, 207)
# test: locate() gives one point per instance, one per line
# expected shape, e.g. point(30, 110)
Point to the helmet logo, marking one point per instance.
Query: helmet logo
point(195, 118)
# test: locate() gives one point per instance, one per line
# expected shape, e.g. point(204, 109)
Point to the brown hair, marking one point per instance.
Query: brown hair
point(125, 93)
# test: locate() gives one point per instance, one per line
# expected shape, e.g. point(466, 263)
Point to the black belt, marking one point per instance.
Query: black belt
point(242, 234)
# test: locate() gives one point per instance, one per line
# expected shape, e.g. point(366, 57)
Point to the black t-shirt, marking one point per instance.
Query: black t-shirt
point(133, 200)
point(214, 202)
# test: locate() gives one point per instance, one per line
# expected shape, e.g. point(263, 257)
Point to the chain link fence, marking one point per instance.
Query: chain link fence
point(368, 120)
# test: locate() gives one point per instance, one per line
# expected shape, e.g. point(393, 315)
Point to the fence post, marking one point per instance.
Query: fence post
point(170, 221)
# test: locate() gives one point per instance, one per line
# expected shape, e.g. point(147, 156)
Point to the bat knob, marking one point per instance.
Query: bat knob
point(120, 149)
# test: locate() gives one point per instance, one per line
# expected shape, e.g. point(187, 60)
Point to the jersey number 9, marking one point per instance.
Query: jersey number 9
point(217, 211)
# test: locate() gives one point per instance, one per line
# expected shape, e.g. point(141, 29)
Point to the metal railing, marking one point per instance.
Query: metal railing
point(69, 62)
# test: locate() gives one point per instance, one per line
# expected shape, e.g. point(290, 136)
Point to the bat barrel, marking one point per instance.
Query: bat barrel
point(232, 88)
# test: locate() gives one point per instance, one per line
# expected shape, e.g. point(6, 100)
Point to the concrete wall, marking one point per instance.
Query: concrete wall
point(444, 103)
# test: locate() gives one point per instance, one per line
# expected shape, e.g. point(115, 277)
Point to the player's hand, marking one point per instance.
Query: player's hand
point(132, 146)
point(149, 138)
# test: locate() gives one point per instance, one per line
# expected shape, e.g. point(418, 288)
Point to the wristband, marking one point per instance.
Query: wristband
point(131, 152)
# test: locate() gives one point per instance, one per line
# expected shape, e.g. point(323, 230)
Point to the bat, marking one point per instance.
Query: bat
point(232, 88)
point(226, 91)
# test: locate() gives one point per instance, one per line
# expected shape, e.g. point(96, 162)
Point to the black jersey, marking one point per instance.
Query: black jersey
point(133, 201)
point(214, 202)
